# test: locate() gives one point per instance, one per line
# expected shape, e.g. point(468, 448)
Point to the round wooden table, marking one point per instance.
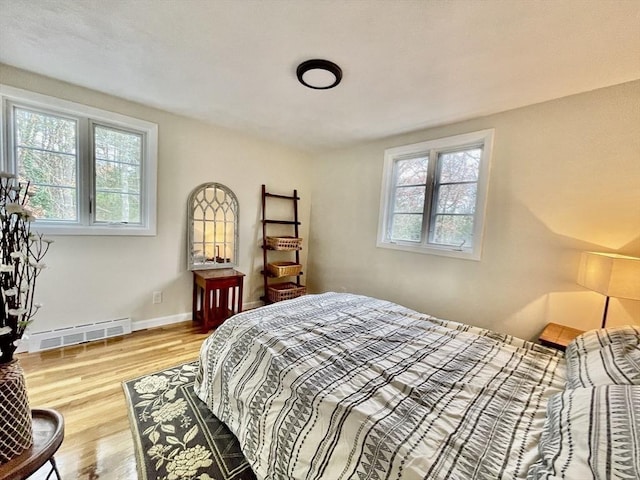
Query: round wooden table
point(48, 433)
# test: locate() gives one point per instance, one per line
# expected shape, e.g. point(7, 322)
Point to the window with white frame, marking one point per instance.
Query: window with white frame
point(434, 195)
point(90, 171)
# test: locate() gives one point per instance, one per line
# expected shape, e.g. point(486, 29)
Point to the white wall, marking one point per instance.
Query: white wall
point(94, 278)
point(565, 178)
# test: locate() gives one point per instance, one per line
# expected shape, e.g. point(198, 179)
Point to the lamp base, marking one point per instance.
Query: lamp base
point(604, 314)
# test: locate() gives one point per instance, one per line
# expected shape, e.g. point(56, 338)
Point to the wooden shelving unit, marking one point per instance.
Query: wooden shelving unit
point(275, 291)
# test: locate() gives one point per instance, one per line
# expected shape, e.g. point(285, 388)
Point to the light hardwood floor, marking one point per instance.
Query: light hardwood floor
point(84, 383)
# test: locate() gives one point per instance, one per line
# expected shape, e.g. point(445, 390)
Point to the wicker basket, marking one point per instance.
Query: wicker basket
point(16, 432)
point(284, 243)
point(284, 269)
point(285, 291)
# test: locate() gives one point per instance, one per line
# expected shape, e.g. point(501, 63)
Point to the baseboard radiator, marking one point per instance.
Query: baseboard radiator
point(89, 332)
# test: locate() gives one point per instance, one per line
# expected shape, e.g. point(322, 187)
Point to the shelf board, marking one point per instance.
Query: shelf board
point(285, 197)
point(282, 222)
point(271, 275)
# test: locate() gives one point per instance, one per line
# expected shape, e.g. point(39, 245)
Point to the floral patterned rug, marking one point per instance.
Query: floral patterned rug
point(175, 436)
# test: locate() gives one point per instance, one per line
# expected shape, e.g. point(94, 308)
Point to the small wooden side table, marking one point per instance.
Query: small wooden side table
point(558, 336)
point(48, 433)
point(212, 290)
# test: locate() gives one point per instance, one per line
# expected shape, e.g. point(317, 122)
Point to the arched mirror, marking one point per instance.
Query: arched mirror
point(213, 227)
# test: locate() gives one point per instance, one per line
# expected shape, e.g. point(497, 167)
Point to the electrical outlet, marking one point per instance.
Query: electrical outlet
point(157, 297)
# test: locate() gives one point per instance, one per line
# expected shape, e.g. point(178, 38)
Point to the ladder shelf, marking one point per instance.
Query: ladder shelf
point(278, 291)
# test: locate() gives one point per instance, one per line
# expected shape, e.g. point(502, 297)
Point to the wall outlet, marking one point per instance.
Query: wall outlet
point(157, 297)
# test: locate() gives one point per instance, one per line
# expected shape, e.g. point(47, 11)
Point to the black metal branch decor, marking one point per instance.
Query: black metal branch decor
point(21, 254)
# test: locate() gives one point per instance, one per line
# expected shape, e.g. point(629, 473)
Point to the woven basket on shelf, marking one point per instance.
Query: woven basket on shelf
point(16, 430)
point(285, 291)
point(284, 269)
point(284, 243)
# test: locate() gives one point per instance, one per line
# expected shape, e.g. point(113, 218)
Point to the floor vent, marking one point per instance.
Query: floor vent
point(90, 332)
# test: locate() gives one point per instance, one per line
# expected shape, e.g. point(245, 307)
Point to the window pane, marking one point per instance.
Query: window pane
point(45, 150)
point(409, 200)
point(54, 203)
point(463, 166)
point(44, 131)
point(117, 177)
point(117, 207)
point(46, 168)
point(453, 230)
point(118, 160)
point(457, 198)
point(117, 146)
point(406, 227)
point(412, 171)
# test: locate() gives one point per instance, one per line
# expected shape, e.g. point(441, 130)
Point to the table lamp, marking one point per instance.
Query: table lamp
point(611, 275)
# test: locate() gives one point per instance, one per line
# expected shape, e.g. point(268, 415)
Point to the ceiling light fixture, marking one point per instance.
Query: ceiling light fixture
point(319, 74)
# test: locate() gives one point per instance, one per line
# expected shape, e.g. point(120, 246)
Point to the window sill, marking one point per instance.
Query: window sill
point(432, 250)
point(84, 230)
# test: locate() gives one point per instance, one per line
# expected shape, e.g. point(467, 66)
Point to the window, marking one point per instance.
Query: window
point(434, 194)
point(92, 172)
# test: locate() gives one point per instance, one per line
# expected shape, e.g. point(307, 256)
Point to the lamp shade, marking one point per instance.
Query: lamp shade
point(610, 274)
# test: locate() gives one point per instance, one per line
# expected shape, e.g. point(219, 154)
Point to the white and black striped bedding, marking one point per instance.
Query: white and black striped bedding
point(338, 386)
point(604, 357)
point(591, 433)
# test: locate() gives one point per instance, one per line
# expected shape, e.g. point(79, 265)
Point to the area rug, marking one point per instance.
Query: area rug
point(175, 436)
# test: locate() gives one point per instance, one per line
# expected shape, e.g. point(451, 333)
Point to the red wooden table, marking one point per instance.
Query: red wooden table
point(217, 294)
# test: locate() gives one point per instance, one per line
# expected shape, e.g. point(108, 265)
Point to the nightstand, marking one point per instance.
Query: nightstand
point(558, 336)
point(212, 290)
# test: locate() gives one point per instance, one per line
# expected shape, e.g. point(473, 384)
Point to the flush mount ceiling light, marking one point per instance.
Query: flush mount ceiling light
point(319, 74)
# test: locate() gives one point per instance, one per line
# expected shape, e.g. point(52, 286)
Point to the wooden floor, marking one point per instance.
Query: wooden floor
point(84, 383)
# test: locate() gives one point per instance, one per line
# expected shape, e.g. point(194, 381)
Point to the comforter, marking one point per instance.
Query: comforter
point(340, 386)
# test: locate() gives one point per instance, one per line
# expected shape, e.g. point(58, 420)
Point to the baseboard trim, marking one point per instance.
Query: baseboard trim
point(155, 322)
point(179, 317)
point(160, 321)
point(252, 305)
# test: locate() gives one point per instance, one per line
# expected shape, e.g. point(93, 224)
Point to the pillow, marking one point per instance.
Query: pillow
point(591, 433)
point(604, 357)
point(599, 338)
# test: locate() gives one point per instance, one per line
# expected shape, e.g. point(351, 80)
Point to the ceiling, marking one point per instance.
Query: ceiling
point(407, 64)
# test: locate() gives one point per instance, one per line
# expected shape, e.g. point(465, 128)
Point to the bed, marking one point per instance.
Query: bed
point(341, 386)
